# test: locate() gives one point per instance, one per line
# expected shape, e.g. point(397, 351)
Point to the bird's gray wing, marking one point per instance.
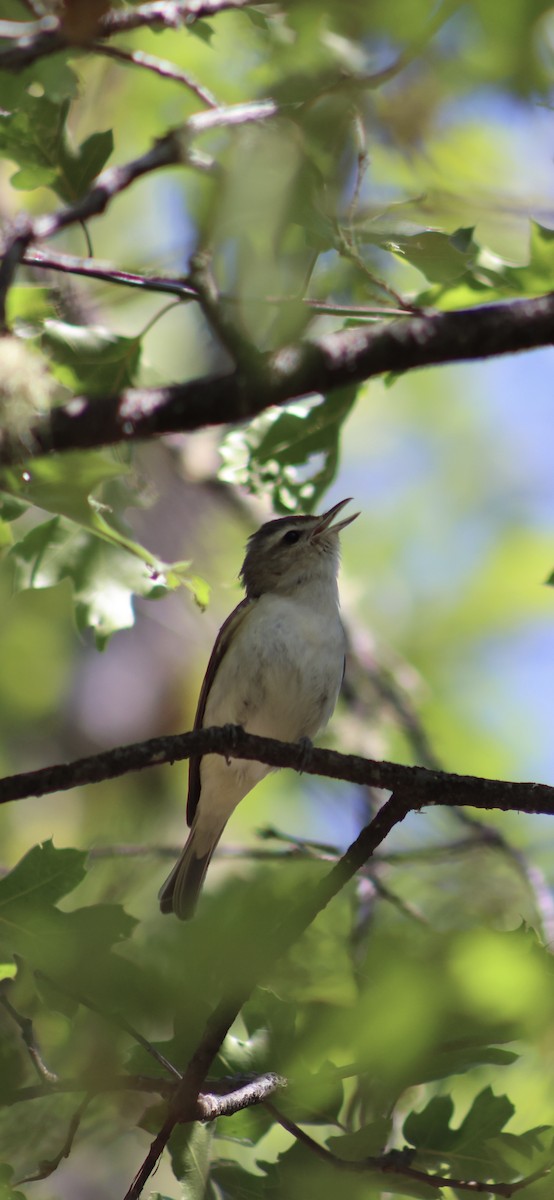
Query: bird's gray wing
point(222, 643)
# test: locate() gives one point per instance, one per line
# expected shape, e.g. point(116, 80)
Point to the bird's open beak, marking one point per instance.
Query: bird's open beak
point(325, 521)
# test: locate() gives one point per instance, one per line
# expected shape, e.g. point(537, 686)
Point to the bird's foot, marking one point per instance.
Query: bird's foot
point(306, 746)
point(231, 735)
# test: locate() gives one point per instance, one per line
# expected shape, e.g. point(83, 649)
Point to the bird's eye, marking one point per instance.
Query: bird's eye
point(292, 535)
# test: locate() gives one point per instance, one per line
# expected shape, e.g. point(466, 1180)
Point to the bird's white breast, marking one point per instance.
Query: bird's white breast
point(282, 673)
point(280, 677)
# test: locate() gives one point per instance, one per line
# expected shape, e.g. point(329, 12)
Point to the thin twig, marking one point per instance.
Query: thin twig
point(113, 1019)
point(26, 1029)
point(180, 286)
point(362, 162)
point(392, 1163)
point(48, 1166)
point(159, 66)
point(11, 259)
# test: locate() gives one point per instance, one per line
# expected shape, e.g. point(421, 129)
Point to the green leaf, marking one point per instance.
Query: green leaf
point(104, 578)
point(105, 567)
point(237, 1182)
point(293, 453)
point(6, 535)
point(7, 1192)
point(32, 136)
point(366, 1142)
point(454, 1059)
point(439, 256)
point(190, 1149)
point(476, 1148)
point(299, 1172)
point(80, 167)
point(430, 1128)
point(65, 484)
point(11, 508)
point(89, 358)
point(538, 274)
point(202, 30)
point(73, 948)
point(42, 877)
point(28, 303)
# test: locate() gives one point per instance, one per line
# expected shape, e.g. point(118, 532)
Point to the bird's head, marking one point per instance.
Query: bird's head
point(291, 552)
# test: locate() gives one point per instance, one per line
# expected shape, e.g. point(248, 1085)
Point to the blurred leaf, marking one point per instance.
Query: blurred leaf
point(7, 1192)
point(189, 1148)
point(202, 29)
point(536, 277)
point(364, 1143)
point(27, 303)
point(10, 508)
point(90, 359)
point(292, 453)
point(299, 1172)
point(236, 1181)
point(6, 535)
point(32, 136)
point(457, 1060)
point(72, 948)
point(80, 167)
point(440, 257)
point(104, 578)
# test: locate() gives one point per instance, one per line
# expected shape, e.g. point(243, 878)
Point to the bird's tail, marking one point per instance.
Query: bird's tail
point(180, 892)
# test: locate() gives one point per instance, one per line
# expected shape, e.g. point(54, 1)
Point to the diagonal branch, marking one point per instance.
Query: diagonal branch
point(292, 924)
point(173, 149)
point(159, 66)
point(320, 366)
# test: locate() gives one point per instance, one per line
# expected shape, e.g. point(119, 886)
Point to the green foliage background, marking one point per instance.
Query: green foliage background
point(417, 1010)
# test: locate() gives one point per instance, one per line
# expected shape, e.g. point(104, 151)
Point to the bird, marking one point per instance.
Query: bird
point(276, 670)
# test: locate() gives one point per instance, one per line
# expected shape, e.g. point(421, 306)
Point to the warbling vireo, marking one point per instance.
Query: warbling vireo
point(276, 670)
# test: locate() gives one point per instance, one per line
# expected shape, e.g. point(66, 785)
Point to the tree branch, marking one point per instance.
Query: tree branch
point(320, 366)
point(423, 786)
point(171, 150)
point(171, 15)
point(413, 788)
point(391, 1164)
point(38, 39)
point(159, 66)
